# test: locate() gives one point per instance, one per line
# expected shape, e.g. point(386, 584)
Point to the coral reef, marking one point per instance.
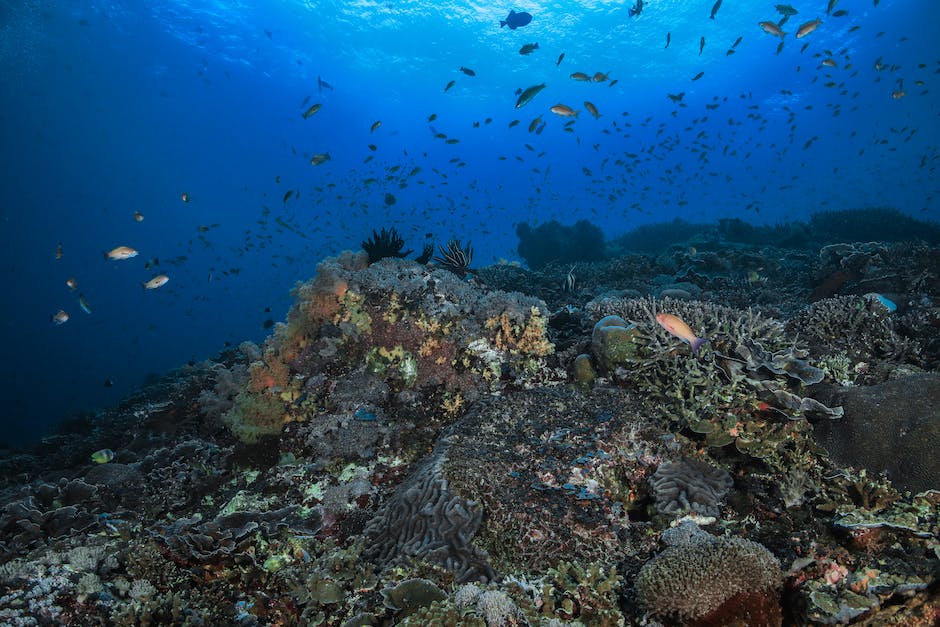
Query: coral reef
point(418, 446)
point(873, 223)
point(407, 325)
point(742, 393)
point(856, 326)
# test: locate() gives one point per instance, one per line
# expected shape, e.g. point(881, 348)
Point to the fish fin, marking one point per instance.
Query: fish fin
point(697, 343)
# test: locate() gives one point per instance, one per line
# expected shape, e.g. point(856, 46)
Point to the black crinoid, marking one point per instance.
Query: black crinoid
point(426, 254)
point(456, 258)
point(385, 243)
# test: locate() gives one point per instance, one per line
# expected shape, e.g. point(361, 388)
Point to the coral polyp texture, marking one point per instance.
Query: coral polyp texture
point(700, 579)
point(429, 444)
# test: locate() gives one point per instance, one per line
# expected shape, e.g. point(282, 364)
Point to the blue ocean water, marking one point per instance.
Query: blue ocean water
point(114, 107)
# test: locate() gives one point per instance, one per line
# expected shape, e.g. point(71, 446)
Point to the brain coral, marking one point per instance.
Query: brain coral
point(706, 580)
point(689, 486)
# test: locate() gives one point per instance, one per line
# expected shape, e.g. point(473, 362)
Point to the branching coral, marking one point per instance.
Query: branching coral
point(747, 369)
point(857, 326)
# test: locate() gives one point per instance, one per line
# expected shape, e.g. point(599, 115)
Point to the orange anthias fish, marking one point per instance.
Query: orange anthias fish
point(680, 329)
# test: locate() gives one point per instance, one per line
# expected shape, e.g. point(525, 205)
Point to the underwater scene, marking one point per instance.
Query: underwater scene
point(362, 313)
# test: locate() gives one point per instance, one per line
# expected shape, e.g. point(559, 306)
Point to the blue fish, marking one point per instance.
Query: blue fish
point(515, 20)
point(882, 300)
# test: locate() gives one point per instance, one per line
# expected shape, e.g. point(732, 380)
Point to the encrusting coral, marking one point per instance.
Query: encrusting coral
point(416, 328)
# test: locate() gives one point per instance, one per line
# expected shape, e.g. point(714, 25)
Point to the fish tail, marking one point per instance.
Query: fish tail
point(502, 23)
point(697, 343)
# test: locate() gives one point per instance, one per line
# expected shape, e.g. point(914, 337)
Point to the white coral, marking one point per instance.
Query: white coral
point(467, 595)
point(496, 608)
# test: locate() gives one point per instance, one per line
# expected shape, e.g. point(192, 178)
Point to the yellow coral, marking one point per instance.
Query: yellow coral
point(353, 313)
point(393, 310)
point(452, 404)
point(530, 339)
point(255, 415)
point(428, 346)
point(433, 325)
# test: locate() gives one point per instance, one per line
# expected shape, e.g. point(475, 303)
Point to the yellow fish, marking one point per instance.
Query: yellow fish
point(680, 329)
point(103, 456)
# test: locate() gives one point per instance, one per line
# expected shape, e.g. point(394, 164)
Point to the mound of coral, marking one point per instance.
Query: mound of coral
point(418, 446)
